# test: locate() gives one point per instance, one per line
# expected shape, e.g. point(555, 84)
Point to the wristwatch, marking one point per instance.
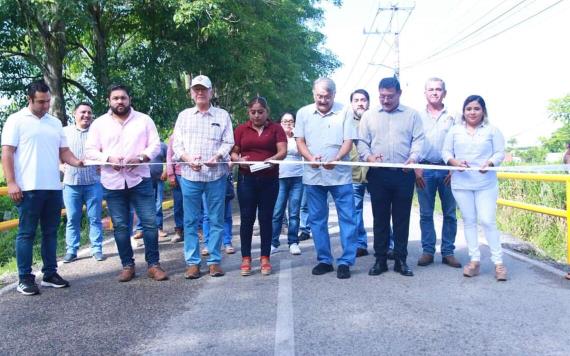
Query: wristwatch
point(141, 158)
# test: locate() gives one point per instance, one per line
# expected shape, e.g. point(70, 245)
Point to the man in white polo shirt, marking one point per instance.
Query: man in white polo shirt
point(33, 144)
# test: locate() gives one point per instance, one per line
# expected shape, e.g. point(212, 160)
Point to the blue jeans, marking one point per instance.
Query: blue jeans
point(178, 208)
point(141, 196)
point(304, 213)
point(228, 222)
point(290, 191)
point(319, 217)
point(74, 196)
point(215, 192)
point(391, 193)
point(256, 196)
point(158, 189)
point(426, 197)
point(43, 206)
point(359, 191)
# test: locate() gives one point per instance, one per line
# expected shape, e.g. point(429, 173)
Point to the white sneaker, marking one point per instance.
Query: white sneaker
point(294, 249)
point(205, 251)
point(274, 249)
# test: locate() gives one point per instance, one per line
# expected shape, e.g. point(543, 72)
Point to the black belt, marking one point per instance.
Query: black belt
point(440, 163)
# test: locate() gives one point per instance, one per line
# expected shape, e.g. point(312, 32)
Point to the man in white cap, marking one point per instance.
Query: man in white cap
point(203, 137)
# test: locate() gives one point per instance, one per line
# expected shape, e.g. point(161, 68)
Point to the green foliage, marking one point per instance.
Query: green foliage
point(270, 48)
point(544, 231)
point(560, 109)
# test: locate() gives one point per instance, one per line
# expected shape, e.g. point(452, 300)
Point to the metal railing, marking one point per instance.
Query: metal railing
point(561, 178)
point(12, 224)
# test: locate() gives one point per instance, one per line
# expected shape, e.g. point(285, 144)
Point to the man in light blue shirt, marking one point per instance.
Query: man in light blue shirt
point(82, 186)
point(436, 121)
point(392, 133)
point(325, 133)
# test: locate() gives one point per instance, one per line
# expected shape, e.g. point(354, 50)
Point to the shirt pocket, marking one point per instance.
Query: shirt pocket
point(214, 132)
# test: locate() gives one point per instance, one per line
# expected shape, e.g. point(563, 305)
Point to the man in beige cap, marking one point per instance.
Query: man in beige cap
point(203, 136)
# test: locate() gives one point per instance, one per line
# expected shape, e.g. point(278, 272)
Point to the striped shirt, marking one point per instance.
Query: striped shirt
point(206, 135)
point(76, 138)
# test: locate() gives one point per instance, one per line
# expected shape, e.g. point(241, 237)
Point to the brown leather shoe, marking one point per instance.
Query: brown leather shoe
point(157, 273)
point(216, 271)
point(127, 273)
point(192, 272)
point(451, 261)
point(500, 272)
point(425, 259)
point(471, 269)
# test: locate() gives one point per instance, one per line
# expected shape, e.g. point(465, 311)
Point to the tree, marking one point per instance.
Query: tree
point(266, 47)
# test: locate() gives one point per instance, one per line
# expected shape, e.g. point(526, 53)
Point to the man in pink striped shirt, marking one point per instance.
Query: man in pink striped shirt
point(124, 139)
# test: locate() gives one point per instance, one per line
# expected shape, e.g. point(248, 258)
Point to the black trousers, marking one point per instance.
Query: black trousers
point(391, 193)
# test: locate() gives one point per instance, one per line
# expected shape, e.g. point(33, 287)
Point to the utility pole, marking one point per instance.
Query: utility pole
point(396, 33)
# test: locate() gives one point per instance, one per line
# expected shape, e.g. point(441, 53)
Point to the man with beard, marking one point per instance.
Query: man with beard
point(360, 101)
point(325, 133)
point(124, 139)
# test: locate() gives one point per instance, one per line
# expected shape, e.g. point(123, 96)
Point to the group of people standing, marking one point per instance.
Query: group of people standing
point(203, 142)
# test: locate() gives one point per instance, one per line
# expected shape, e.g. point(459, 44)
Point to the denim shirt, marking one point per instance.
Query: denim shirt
point(487, 144)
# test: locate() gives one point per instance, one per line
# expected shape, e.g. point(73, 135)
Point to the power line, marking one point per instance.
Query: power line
point(502, 31)
point(359, 53)
point(446, 48)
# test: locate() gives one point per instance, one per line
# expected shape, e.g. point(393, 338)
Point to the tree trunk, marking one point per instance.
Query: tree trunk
point(101, 63)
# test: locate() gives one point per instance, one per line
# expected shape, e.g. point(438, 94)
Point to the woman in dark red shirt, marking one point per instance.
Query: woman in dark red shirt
point(258, 139)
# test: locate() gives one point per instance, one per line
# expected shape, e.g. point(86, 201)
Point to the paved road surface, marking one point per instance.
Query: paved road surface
point(436, 312)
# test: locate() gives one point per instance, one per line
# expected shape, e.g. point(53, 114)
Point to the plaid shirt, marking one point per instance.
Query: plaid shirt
point(76, 139)
point(206, 135)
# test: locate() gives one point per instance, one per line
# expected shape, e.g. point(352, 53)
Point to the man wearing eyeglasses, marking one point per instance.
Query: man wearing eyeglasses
point(203, 136)
point(325, 133)
point(392, 133)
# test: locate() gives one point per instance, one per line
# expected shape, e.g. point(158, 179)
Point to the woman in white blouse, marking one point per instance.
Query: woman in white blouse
point(476, 143)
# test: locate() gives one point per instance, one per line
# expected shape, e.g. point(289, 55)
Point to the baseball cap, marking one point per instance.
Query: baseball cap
point(201, 80)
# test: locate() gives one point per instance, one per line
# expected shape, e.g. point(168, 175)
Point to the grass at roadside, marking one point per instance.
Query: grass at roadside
point(548, 233)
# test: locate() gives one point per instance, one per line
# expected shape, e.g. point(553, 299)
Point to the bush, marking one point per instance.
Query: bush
point(546, 232)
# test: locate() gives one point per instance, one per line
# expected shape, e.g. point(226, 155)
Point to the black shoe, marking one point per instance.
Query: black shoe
point(54, 281)
point(390, 254)
point(361, 252)
point(343, 272)
point(322, 268)
point(28, 286)
point(401, 267)
point(304, 236)
point(378, 268)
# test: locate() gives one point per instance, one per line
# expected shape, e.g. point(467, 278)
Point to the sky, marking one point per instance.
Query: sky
point(516, 71)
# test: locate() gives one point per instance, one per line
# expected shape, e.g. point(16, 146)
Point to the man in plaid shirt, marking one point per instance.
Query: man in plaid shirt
point(203, 137)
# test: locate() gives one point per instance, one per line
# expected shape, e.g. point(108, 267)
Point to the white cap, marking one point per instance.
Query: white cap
point(201, 80)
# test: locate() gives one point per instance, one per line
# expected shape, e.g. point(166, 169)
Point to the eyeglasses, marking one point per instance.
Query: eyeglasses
point(287, 121)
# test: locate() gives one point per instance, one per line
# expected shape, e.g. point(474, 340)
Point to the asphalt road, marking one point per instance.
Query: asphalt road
point(436, 312)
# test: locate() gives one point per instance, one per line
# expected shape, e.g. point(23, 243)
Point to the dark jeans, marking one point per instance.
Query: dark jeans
point(256, 193)
point(391, 193)
point(141, 197)
point(178, 208)
point(43, 206)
